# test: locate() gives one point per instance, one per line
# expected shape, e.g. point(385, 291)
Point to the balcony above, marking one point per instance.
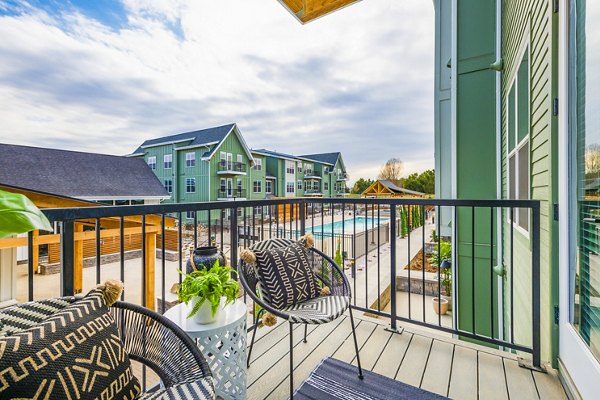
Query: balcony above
point(231, 168)
point(312, 175)
point(313, 192)
point(232, 194)
point(342, 177)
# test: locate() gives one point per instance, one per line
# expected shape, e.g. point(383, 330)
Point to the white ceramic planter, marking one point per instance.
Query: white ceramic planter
point(204, 314)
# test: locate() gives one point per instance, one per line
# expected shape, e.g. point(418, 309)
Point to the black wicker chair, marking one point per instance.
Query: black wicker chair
point(316, 311)
point(148, 338)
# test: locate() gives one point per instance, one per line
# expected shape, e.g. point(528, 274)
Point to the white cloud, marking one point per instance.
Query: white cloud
point(359, 81)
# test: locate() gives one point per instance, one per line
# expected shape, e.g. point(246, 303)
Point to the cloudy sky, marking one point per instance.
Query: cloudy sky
point(105, 75)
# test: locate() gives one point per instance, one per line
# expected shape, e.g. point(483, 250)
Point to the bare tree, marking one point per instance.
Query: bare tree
point(592, 158)
point(391, 170)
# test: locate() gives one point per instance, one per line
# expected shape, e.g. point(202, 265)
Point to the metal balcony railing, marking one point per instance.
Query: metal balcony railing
point(231, 166)
point(373, 239)
point(231, 193)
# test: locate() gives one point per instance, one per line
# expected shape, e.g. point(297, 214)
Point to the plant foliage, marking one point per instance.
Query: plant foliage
point(436, 259)
point(209, 285)
point(18, 215)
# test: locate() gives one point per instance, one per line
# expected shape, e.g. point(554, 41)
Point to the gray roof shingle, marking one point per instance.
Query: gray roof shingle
point(327, 158)
point(77, 174)
point(199, 137)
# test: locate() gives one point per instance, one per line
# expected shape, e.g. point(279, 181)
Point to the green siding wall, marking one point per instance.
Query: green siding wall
point(475, 147)
point(532, 23)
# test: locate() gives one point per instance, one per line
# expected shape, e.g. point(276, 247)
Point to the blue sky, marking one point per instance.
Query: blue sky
point(105, 75)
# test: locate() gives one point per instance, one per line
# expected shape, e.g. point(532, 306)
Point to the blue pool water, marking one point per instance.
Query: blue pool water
point(348, 225)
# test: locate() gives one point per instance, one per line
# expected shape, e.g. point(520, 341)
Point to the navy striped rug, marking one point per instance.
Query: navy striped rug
point(334, 379)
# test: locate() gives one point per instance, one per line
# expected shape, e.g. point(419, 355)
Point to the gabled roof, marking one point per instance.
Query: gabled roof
point(275, 154)
point(76, 174)
point(197, 138)
point(396, 189)
point(211, 137)
point(325, 158)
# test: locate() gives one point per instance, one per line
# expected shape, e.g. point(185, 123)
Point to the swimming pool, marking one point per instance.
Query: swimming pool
point(348, 225)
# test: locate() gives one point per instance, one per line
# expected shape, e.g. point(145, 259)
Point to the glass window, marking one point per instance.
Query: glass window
point(169, 185)
point(585, 172)
point(222, 186)
point(168, 161)
point(257, 186)
point(269, 187)
point(190, 159)
point(190, 185)
point(290, 187)
point(189, 215)
point(325, 185)
point(257, 164)
point(518, 142)
point(152, 162)
point(299, 185)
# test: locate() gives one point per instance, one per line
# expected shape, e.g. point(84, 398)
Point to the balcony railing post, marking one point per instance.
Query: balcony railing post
point(302, 217)
point(394, 312)
point(234, 241)
point(67, 258)
point(535, 250)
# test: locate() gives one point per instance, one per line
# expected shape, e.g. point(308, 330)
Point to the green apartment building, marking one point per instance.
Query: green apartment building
point(216, 164)
point(517, 117)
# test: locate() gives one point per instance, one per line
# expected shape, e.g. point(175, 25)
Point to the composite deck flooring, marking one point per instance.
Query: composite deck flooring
point(441, 365)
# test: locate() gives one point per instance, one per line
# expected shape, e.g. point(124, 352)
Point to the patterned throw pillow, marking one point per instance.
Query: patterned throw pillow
point(74, 354)
point(286, 276)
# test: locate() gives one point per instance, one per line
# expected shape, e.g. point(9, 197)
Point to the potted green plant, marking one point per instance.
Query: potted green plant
point(443, 260)
point(18, 215)
point(208, 291)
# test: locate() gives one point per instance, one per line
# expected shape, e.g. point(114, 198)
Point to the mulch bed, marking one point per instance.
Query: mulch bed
point(416, 264)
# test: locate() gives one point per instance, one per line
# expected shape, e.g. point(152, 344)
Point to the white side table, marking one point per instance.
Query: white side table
point(223, 344)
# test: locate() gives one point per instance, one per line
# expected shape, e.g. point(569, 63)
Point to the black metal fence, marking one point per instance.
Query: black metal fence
point(392, 233)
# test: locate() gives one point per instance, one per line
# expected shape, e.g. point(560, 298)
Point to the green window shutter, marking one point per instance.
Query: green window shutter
point(511, 119)
point(523, 97)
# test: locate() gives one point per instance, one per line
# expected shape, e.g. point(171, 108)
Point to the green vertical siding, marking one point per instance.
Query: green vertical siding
point(475, 146)
point(531, 23)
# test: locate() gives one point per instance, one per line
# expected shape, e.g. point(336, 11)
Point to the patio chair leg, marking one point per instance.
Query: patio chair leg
point(258, 315)
point(305, 330)
point(252, 343)
point(291, 361)
point(360, 374)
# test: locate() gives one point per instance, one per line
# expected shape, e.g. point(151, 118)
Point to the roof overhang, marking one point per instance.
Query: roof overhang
point(308, 10)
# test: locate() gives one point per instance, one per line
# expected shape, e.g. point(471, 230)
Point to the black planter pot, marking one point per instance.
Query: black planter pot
point(204, 258)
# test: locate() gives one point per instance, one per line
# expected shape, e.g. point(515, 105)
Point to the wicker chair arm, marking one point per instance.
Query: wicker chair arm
point(160, 344)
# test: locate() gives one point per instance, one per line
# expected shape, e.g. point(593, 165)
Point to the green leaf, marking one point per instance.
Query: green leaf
point(18, 215)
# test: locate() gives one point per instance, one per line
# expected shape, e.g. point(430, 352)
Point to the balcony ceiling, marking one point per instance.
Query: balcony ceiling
point(308, 10)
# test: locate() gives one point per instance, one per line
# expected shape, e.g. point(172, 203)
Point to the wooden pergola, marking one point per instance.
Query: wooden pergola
point(308, 10)
point(110, 228)
point(382, 188)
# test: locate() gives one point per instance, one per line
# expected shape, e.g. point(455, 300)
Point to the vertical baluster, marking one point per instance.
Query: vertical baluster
point(423, 262)
point(163, 262)
point(439, 264)
point(30, 266)
point(512, 251)
point(98, 251)
point(473, 266)
point(122, 252)
point(409, 280)
point(393, 294)
point(366, 269)
point(492, 272)
point(379, 257)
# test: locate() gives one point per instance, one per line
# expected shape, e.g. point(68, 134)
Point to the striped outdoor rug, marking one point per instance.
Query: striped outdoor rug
point(334, 379)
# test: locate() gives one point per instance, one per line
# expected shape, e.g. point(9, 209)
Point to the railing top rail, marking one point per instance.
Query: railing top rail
point(66, 214)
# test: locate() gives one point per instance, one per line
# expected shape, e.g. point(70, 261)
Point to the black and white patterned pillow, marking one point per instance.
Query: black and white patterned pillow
point(24, 316)
point(286, 276)
point(75, 353)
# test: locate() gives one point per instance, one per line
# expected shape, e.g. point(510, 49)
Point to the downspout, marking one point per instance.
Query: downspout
point(499, 241)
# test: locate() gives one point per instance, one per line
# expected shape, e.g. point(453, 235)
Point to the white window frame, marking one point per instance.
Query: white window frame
point(269, 187)
point(190, 159)
point(189, 214)
point(299, 184)
point(518, 146)
point(326, 186)
point(223, 186)
point(187, 185)
point(152, 163)
point(257, 164)
point(290, 187)
point(169, 185)
point(168, 161)
point(257, 186)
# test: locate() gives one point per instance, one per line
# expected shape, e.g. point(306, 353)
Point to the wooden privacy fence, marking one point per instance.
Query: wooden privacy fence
point(112, 245)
